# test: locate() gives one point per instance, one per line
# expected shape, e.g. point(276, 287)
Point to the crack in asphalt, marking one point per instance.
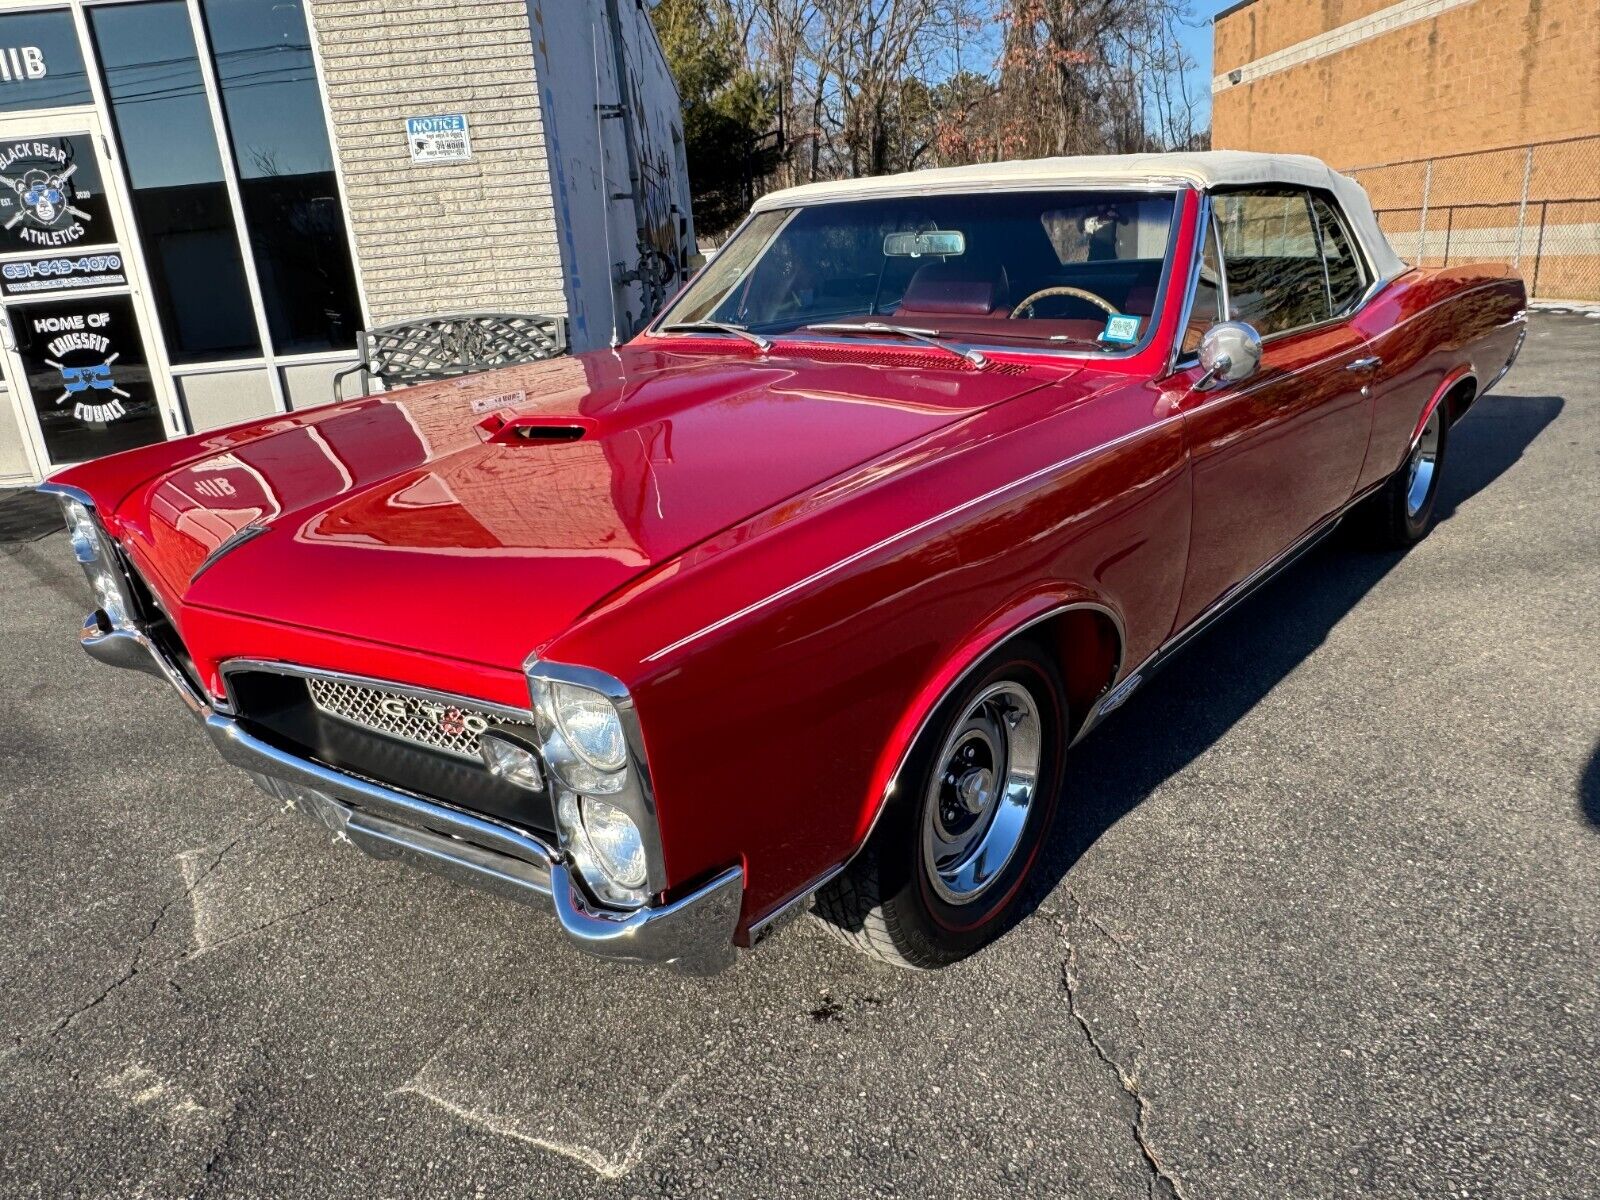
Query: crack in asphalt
point(1127, 1078)
point(133, 967)
point(210, 1170)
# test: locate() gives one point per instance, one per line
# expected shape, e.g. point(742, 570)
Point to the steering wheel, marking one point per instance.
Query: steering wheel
point(1080, 293)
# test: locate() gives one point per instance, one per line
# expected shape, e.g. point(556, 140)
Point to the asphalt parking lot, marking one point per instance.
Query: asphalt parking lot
point(1323, 920)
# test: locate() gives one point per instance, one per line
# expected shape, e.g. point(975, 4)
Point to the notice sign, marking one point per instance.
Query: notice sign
point(439, 139)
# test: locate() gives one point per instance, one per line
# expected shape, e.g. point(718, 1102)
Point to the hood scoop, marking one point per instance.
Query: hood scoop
point(533, 429)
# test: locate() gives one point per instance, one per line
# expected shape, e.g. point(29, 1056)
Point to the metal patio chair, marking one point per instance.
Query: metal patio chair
point(431, 348)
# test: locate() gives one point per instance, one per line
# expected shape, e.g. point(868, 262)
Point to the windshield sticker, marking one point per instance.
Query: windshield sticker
point(1120, 330)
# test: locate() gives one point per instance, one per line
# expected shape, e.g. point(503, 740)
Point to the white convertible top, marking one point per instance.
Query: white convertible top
point(1207, 169)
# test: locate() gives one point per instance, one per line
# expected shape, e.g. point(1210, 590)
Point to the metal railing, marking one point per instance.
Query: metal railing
point(1536, 207)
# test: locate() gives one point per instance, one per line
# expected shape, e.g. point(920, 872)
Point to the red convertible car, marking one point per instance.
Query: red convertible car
point(801, 596)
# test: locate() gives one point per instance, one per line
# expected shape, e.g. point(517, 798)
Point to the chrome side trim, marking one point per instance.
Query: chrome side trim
point(794, 906)
point(1175, 350)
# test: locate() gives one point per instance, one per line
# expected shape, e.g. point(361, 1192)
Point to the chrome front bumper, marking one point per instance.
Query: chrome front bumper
point(694, 934)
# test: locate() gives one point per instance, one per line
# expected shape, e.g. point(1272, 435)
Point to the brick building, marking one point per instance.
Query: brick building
point(206, 200)
point(1473, 124)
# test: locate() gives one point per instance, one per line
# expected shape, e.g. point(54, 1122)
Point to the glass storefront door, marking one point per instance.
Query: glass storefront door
point(82, 366)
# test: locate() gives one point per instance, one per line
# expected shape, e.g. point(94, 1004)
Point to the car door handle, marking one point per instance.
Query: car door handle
point(1365, 364)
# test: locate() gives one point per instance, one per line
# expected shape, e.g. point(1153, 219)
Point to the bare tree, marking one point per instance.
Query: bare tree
point(862, 87)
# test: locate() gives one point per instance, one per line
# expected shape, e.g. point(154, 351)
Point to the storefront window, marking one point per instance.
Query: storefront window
point(41, 65)
point(273, 107)
point(179, 199)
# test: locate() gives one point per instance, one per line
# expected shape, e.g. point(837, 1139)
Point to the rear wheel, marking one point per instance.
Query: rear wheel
point(1401, 513)
point(942, 874)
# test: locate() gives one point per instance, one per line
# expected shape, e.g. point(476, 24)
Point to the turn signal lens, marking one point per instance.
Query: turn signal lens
point(518, 765)
point(591, 726)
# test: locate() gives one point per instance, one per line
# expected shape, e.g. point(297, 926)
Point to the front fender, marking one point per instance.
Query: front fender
point(1015, 618)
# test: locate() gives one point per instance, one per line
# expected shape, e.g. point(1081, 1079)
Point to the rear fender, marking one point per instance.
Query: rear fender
point(1462, 374)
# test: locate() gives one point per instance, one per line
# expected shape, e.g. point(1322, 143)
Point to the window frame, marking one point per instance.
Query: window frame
point(269, 360)
point(1175, 192)
point(1372, 281)
point(1368, 275)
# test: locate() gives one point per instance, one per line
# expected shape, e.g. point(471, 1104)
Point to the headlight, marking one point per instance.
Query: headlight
point(594, 759)
point(591, 726)
point(81, 529)
point(108, 591)
point(94, 552)
point(600, 835)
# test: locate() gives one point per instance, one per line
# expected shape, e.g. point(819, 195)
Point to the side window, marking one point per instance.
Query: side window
point(1207, 308)
point(1269, 248)
point(1347, 275)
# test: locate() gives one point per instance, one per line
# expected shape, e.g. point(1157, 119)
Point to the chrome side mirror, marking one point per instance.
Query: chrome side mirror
point(1229, 351)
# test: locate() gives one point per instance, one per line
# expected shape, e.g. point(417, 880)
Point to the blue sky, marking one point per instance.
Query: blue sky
point(1197, 43)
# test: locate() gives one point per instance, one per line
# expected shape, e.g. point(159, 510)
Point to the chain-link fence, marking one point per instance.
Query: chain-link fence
point(1536, 207)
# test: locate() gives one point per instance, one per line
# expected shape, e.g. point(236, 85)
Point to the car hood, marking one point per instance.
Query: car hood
point(477, 517)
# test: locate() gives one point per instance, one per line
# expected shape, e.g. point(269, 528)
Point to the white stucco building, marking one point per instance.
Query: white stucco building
point(205, 200)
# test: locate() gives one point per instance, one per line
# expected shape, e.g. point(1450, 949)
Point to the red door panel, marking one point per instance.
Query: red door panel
point(1272, 457)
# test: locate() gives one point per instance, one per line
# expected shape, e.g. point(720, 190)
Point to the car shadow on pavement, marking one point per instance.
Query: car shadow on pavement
point(1191, 703)
point(1589, 788)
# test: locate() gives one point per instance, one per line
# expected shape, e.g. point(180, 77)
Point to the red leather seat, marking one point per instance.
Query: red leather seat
point(957, 288)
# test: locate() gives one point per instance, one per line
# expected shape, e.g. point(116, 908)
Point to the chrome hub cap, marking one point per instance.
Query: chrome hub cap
point(978, 801)
point(1424, 460)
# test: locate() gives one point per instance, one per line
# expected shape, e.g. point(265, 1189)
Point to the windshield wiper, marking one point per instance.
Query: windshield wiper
point(721, 327)
point(927, 336)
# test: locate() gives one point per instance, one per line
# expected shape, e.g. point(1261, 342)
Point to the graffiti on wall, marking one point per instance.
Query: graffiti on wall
point(662, 229)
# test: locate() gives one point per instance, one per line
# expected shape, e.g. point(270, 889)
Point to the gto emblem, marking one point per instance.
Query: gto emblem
point(447, 719)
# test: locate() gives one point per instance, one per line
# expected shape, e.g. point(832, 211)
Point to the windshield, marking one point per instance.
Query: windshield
point(1061, 270)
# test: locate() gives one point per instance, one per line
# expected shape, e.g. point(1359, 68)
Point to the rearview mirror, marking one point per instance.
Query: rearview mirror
point(1229, 351)
point(946, 242)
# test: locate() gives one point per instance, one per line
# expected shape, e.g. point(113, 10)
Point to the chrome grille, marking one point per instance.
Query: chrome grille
point(436, 722)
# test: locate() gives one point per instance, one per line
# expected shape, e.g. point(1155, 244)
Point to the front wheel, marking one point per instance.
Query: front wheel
point(1401, 512)
point(942, 874)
